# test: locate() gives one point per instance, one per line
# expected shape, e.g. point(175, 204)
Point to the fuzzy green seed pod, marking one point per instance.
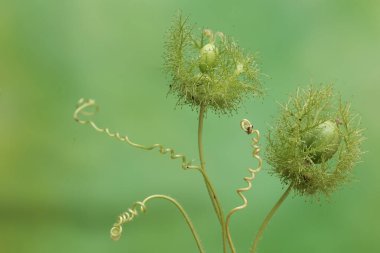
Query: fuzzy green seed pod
point(324, 139)
point(309, 149)
point(232, 75)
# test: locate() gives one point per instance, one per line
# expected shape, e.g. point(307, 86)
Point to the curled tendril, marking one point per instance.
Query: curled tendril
point(140, 206)
point(83, 107)
point(126, 217)
point(247, 127)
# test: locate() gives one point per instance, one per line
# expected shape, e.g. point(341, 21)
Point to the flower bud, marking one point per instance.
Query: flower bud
point(208, 57)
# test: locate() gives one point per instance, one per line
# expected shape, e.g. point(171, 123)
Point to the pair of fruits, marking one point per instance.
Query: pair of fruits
point(323, 140)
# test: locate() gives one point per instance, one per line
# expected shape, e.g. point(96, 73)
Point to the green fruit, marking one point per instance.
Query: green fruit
point(324, 140)
point(208, 57)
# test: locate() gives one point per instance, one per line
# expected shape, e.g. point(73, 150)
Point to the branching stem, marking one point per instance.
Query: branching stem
point(211, 190)
point(268, 218)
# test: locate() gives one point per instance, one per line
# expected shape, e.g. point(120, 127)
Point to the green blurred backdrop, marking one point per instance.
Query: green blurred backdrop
point(62, 185)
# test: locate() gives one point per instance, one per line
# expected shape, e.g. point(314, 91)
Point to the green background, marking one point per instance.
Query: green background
point(62, 185)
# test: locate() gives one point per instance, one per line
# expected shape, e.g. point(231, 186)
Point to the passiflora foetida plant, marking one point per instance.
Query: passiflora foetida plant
point(312, 146)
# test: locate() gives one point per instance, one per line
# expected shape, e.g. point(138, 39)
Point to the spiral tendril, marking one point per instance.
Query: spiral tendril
point(140, 207)
point(247, 127)
point(126, 217)
point(84, 104)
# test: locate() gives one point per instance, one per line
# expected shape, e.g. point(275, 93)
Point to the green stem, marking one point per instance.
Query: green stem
point(210, 188)
point(268, 218)
point(184, 214)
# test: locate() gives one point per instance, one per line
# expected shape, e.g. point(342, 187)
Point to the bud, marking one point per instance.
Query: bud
point(323, 140)
point(208, 57)
point(207, 33)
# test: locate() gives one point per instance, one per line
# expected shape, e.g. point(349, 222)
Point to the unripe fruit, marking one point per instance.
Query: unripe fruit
point(207, 57)
point(324, 139)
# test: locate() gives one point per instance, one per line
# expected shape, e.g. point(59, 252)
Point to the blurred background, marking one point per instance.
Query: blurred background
point(62, 185)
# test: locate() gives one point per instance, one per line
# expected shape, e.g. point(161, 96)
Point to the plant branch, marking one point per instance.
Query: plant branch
point(268, 218)
point(211, 190)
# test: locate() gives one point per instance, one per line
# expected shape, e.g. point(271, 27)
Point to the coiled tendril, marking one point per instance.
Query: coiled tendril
point(247, 127)
point(84, 104)
point(126, 217)
point(140, 206)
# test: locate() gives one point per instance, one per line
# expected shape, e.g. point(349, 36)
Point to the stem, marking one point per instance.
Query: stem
point(211, 190)
point(185, 216)
point(268, 218)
